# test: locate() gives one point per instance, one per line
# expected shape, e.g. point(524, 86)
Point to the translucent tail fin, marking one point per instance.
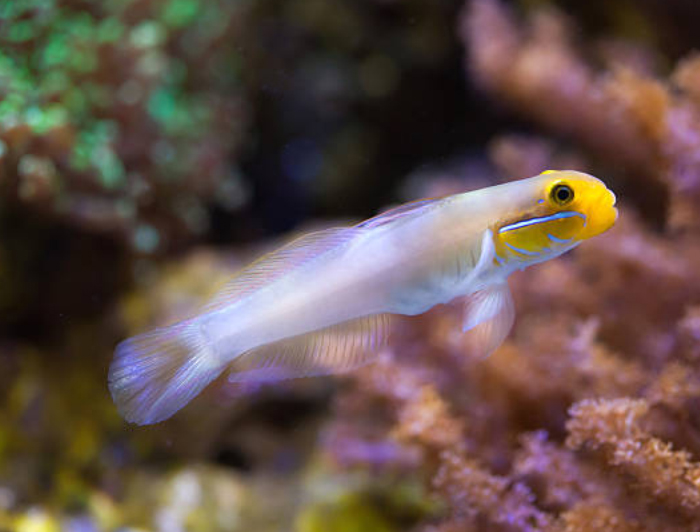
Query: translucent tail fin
point(155, 374)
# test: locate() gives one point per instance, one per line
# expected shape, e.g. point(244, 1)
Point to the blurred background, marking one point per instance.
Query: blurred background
point(149, 148)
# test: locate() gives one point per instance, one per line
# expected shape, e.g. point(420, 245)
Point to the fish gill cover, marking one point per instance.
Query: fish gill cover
point(134, 130)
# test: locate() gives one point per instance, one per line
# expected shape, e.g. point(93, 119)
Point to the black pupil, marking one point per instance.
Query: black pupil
point(563, 193)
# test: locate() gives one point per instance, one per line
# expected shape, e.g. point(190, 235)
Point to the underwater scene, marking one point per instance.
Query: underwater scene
point(349, 265)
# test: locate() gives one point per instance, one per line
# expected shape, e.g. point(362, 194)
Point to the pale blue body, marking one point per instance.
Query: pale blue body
point(319, 305)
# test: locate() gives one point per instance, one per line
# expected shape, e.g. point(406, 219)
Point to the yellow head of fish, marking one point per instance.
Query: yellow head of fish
point(563, 208)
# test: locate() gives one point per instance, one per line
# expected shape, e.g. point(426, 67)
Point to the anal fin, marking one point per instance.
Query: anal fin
point(335, 349)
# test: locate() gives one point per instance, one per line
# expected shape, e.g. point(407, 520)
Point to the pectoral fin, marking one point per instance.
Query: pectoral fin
point(488, 317)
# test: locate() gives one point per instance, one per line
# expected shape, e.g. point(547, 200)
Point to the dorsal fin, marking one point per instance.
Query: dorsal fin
point(274, 264)
point(414, 208)
point(335, 349)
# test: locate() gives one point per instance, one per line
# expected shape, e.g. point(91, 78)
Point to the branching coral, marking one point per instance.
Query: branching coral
point(626, 117)
point(614, 428)
point(477, 495)
point(539, 71)
point(591, 517)
point(585, 419)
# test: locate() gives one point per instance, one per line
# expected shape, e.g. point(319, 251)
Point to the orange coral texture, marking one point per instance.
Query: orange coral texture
point(586, 419)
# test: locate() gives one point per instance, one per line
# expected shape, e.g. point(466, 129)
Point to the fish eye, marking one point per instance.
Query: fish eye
point(562, 194)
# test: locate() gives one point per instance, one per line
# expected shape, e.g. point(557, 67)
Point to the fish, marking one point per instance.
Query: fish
point(322, 304)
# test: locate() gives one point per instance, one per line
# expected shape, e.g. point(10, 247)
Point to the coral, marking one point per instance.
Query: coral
point(493, 430)
point(614, 427)
point(474, 493)
point(630, 118)
point(559, 478)
point(538, 70)
point(597, 516)
point(121, 118)
point(583, 420)
point(122, 126)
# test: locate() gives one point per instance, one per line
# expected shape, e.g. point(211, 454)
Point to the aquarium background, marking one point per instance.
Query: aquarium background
point(149, 148)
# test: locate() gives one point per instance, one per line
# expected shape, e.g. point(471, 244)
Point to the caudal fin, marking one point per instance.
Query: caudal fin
point(155, 374)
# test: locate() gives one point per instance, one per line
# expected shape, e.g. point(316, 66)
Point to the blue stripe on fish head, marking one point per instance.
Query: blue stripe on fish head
point(566, 207)
point(538, 238)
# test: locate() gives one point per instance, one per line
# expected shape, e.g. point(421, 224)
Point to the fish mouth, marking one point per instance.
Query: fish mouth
point(607, 212)
point(612, 203)
point(603, 215)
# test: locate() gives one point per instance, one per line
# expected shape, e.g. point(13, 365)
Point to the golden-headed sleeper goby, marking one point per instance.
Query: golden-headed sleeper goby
point(321, 303)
